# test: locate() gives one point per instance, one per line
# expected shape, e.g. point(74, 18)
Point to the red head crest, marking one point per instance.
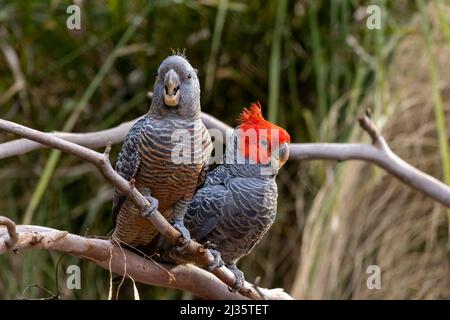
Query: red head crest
point(258, 133)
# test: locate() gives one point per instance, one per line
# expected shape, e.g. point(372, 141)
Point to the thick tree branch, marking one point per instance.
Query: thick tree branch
point(96, 139)
point(91, 140)
point(377, 153)
point(119, 260)
point(101, 161)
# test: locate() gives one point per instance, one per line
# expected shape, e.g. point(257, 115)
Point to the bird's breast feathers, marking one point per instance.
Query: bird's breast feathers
point(173, 153)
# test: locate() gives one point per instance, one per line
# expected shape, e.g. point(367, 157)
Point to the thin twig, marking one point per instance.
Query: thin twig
point(53, 296)
point(125, 274)
point(365, 121)
point(256, 286)
point(11, 227)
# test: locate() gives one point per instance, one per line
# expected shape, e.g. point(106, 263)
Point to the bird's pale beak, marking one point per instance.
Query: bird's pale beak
point(171, 88)
point(283, 154)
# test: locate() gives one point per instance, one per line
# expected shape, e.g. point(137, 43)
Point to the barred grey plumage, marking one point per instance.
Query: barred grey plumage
point(147, 155)
point(233, 210)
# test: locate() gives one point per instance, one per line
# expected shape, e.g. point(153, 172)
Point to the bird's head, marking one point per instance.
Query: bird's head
point(177, 88)
point(260, 141)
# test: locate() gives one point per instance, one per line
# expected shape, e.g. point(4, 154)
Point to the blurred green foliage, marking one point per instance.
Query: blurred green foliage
point(309, 62)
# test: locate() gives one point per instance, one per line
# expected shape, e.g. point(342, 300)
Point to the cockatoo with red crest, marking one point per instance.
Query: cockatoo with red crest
point(238, 202)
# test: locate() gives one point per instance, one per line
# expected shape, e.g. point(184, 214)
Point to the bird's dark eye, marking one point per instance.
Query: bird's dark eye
point(189, 76)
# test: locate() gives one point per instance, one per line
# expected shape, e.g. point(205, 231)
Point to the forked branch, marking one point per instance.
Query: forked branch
point(377, 153)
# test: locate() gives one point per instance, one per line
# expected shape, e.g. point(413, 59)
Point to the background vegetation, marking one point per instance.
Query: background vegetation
point(314, 65)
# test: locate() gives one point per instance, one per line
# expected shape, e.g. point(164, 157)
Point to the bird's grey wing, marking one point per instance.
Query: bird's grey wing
point(251, 196)
point(127, 163)
point(248, 214)
point(217, 176)
point(233, 202)
point(205, 209)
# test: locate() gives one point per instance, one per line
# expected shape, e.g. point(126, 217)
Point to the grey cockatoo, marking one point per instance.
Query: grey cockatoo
point(238, 202)
point(165, 154)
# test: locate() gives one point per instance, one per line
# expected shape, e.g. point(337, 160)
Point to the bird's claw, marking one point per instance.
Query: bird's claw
point(218, 263)
point(239, 275)
point(152, 208)
point(149, 210)
point(179, 225)
point(209, 245)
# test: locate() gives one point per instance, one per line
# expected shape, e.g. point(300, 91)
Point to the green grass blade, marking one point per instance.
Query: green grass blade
point(275, 61)
point(319, 63)
point(437, 97)
point(78, 109)
point(215, 46)
point(443, 22)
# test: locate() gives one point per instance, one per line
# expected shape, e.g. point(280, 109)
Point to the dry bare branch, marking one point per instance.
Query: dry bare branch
point(96, 139)
point(377, 153)
point(112, 257)
point(91, 140)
